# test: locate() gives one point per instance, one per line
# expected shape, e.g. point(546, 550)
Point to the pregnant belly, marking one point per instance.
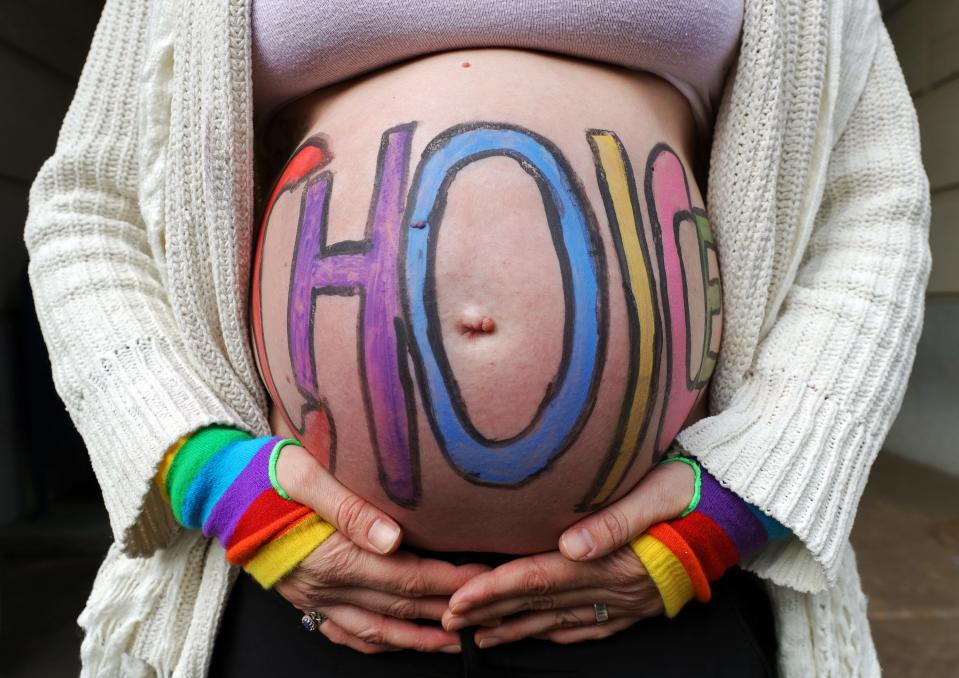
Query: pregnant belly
point(486, 294)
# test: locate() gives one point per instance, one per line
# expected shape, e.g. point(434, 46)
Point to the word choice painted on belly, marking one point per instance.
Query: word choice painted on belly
point(392, 271)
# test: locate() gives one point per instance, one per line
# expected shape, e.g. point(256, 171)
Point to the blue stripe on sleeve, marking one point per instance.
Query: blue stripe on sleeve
point(215, 478)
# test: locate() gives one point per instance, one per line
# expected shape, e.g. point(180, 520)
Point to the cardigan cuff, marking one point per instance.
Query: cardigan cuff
point(785, 447)
point(141, 398)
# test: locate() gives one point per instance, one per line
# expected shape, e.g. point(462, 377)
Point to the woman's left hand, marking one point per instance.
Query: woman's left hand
point(548, 596)
point(551, 595)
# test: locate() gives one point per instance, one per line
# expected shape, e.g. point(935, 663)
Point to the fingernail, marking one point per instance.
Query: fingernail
point(456, 624)
point(488, 643)
point(451, 649)
point(460, 608)
point(578, 543)
point(383, 535)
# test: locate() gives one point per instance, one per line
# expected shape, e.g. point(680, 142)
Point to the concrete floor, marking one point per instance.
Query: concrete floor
point(906, 537)
point(907, 545)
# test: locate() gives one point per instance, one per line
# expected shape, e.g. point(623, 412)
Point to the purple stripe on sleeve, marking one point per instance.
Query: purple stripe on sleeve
point(249, 485)
point(732, 514)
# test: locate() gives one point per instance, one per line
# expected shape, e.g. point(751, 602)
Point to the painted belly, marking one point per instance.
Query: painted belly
point(487, 410)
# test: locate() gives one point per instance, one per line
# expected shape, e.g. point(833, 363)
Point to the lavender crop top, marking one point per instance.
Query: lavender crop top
point(302, 45)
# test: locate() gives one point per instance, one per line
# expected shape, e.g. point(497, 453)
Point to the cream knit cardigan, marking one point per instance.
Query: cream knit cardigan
point(139, 233)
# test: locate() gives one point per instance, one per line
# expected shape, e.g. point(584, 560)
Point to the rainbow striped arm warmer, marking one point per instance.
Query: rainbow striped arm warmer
point(684, 555)
point(218, 480)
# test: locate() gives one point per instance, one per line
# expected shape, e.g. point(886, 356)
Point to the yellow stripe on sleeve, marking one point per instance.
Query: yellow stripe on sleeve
point(276, 559)
point(666, 571)
point(167, 462)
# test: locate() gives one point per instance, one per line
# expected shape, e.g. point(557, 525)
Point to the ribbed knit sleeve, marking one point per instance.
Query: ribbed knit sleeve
point(117, 356)
point(800, 433)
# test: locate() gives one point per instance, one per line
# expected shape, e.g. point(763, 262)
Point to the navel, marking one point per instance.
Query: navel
point(472, 323)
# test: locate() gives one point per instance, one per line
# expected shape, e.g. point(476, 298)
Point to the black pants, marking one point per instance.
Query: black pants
point(732, 635)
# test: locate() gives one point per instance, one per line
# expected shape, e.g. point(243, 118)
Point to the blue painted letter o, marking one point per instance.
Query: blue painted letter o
point(569, 402)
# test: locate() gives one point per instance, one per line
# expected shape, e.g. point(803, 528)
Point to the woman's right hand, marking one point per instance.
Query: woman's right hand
point(367, 589)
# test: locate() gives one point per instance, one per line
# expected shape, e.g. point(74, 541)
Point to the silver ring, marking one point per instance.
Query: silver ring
point(311, 620)
point(601, 613)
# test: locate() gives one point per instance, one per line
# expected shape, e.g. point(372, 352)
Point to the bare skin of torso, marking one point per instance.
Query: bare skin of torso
point(486, 294)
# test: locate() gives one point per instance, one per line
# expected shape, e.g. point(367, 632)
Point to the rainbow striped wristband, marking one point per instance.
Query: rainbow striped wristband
point(219, 480)
point(684, 555)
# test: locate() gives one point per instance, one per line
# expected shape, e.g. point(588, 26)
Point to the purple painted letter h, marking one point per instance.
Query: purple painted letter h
point(367, 268)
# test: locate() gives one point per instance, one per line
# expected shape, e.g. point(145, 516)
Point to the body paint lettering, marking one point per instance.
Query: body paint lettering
point(392, 272)
point(569, 402)
point(367, 268)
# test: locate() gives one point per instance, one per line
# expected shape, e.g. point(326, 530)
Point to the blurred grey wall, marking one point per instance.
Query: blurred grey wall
point(43, 44)
point(926, 37)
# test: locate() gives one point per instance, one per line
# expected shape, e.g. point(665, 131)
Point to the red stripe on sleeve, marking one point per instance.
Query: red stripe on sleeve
point(675, 543)
point(713, 547)
point(265, 519)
